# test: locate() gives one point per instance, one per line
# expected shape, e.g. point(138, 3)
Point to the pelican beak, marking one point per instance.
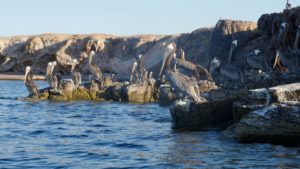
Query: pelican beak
point(212, 68)
point(162, 66)
point(282, 33)
point(164, 62)
point(232, 48)
point(276, 59)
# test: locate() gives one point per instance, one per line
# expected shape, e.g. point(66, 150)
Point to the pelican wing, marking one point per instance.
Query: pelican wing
point(95, 71)
point(184, 84)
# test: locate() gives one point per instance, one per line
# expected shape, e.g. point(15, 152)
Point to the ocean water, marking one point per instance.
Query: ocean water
point(114, 135)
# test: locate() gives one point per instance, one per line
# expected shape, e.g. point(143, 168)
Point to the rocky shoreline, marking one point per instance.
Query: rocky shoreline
point(253, 94)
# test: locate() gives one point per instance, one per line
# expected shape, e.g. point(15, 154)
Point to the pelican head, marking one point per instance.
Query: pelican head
point(134, 67)
point(214, 64)
point(234, 44)
point(150, 75)
point(27, 70)
point(257, 52)
point(168, 56)
point(92, 53)
point(75, 61)
point(50, 64)
point(54, 63)
point(139, 56)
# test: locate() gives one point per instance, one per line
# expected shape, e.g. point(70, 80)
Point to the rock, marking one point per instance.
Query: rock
point(166, 95)
point(281, 93)
point(189, 116)
point(276, 124)
point(225, 32)
point(240, 109)
point(81, 93)
point(66, 87)
point(216, 113)
point(139, 93)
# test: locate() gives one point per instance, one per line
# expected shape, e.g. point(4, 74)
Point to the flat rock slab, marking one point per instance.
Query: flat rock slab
point(277, 124)
point(281, 93)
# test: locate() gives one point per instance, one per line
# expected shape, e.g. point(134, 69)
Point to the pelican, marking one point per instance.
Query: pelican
point(94, 69)
point(282, 34)
point(177, 80)
point(30, 85)
point(227, 70)
point(256, 60)
point(234, 44)
point(54, 79)
point(145, 75)
point(195, 68)
point(48, 74)
point(76, 76)
point(132, 73)
point(151, 80)
point(182, 54)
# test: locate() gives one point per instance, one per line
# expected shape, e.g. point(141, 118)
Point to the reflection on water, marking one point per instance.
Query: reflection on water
point(103, 135)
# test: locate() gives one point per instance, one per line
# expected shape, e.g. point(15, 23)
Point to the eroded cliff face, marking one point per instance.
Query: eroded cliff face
point(117, 54)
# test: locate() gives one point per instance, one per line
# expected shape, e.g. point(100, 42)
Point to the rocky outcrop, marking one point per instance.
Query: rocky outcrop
point(225, 32)
point(216, 113)
point(277, 124)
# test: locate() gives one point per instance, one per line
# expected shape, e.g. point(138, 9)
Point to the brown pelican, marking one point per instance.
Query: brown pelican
point(145, 75)
point(256, 60)
point(133, 73)
point(94, 69)
point(232, 49)
point(30, 85)
point(196, 69)
point(76, 76)
point(229, 71)
point(178, 81)
point(151, 80)
point(282, 34)
point(48, 74)
point(182, 54)
point(55, 79)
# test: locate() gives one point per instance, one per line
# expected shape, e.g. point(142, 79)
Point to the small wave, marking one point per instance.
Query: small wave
point(9, 98)
point(130, 145)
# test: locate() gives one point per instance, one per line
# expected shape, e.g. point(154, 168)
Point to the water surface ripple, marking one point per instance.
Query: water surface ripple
point(111, 135)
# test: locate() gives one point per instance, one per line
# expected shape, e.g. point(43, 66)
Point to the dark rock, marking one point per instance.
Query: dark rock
point(225, 32)
point(166, 95)
point(214, 114)
point(276, 124)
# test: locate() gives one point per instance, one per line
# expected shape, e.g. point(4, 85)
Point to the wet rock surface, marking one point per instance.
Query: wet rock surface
point(277, 124)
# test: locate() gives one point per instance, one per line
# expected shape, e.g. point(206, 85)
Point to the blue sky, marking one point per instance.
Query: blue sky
point(126, 17)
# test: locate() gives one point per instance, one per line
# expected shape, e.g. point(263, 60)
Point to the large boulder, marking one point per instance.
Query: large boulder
point(225, 32)
point(277, 124)
point(139, 93)
point(216, 113)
